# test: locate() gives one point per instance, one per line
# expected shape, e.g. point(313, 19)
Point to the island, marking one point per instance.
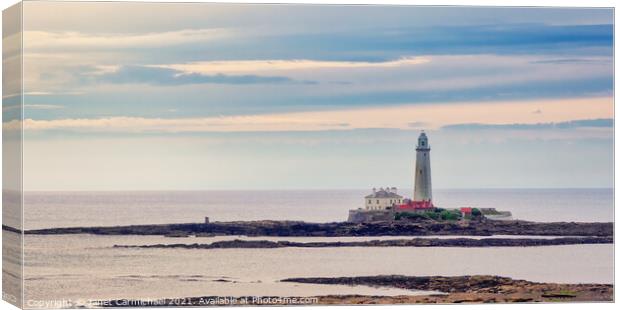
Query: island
point(438, 289)
point(417, 242)
point(403, 227)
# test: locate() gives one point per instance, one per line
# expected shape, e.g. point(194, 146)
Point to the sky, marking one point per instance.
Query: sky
point(173, 96)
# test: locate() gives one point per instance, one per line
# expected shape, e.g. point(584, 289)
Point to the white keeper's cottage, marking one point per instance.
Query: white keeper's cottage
point(382, 198)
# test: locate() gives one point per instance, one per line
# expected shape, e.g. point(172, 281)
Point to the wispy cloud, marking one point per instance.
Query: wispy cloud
point(213, 124)
point(238, 66)
point(43, 106)
point(232, 72)
point(165, 76)
point(34, 40)
point(584, 123)
point(561, 61)
point(397, 117)
point(419, 125)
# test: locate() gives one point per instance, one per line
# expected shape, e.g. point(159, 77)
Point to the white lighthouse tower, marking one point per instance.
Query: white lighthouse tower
point(423, 190)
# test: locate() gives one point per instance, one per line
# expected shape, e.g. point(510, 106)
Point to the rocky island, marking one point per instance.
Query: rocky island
point(443, 290)
point(404, 227)
point(460, 289)
point(417, 242)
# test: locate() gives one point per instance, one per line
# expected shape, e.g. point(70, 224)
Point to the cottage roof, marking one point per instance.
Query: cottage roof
point(384, 194)
point(416, 205)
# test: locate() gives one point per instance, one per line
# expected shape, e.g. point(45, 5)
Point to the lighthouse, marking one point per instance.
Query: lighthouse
point(384, 204)
point(422, 190)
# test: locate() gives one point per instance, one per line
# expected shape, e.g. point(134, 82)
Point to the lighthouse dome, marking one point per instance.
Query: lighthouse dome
point(423, 141)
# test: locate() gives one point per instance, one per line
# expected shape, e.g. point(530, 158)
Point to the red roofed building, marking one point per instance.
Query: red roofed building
point(415, 206)
point(466, 212)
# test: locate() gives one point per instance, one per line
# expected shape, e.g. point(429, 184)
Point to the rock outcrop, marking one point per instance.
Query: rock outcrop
point(418, 242)
point(475, 289)
point(340, 229)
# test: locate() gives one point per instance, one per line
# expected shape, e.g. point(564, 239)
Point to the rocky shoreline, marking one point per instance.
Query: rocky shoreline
point(343, 229)
point(458, 289)
point(476, 289)
point(418, 242)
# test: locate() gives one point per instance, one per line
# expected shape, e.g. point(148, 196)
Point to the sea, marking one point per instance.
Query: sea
point(69, 209)
point(81, 267)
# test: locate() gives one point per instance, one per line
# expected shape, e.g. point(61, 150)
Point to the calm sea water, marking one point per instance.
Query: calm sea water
point(79, 267)
point(63, 209)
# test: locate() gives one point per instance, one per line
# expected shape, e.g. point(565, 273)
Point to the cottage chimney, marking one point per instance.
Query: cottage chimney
point(394, 190)
point(374, 190)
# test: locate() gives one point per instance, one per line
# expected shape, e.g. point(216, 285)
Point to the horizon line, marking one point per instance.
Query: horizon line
point(302, 189)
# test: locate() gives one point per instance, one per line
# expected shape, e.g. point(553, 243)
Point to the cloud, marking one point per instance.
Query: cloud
point(238, 66)
point(561, 61)
point(385, 42)
point(106, 88)
point(418, 125)
point(382, 59)
point(583, 123)
point(397, 117)
point(216, 124)
point(34, 40)
point(165, 76)
point(43, 106)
